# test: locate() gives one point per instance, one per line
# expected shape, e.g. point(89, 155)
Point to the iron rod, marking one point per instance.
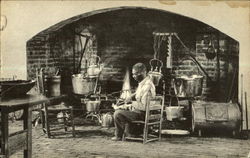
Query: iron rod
point(83, 51)
point(241, 100)
point(246, 111)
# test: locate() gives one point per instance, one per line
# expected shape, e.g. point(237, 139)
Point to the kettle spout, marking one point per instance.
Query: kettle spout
point(100, 119)
point(101, 67)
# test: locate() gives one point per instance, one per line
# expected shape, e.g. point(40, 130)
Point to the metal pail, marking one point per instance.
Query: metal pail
point(53, 85)
point(185, 86)
point(82, 85)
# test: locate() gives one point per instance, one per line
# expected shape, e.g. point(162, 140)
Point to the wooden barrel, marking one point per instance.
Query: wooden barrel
point(212, 115)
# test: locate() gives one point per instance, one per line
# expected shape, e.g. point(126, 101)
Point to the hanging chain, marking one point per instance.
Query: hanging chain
point(155, 49)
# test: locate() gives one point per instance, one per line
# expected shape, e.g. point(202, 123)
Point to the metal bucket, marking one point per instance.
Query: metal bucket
point(156, 76)
point(53, 85)
point(185, 86)
point(174, 112)
point(93, 105)
point(82, 85)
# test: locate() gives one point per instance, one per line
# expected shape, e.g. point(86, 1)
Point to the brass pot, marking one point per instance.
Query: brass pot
point(107, 120)
point(95, 69)
point(82, 85)
point(93, 105)
point(188, 86)
point(155, 72)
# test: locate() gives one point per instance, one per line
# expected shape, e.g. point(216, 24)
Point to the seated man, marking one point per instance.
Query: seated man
point(137, 111)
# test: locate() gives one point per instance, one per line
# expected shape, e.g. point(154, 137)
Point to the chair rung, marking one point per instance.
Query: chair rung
point(156, 116)
point(133, 138)
point(150, 123)
point(156, 107)
point(151, 135)
point(150, 140)
point(154, 123)
point(142, 122)
point(58, 109)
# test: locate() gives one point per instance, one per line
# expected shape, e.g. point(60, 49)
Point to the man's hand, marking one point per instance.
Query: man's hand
point(124, 106)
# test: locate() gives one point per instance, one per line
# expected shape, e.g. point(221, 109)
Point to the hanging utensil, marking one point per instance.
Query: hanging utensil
point(95, 69)
point(155, 71)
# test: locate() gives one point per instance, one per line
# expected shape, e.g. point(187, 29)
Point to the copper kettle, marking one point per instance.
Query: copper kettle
point(155, 72)
point(106, 120)
point(94, 70)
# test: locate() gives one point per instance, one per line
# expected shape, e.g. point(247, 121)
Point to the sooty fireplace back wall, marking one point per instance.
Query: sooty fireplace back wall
point(124, 36)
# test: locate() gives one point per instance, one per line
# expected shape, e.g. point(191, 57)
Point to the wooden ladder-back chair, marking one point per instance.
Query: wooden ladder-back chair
point(153, 118)
point(50, 108)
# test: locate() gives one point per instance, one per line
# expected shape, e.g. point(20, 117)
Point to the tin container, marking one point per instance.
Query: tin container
point(54, 85)
point(82, 85)
point(185, 86)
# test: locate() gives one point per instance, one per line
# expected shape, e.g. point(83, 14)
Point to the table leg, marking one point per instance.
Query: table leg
point(27, 124)
point(5, 132)
point(47, 126)
point(72, 121)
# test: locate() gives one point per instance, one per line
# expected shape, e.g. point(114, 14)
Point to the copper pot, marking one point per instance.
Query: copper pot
point(93, 105)
point(155, 72)
point(107, 120)
point(95, 69)
point(185, 86)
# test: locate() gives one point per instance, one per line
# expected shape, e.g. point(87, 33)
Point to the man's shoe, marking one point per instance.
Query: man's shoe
point(116, 139)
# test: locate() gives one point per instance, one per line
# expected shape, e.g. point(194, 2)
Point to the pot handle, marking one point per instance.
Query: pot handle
point(174, 86)
point(97, 57)
point(157, 60)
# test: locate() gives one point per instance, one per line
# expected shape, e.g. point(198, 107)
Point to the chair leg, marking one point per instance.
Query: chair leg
point(72, 121)
point(47, 121)
point(65, 121)
point(160, 127)
point(123, 137)
point(145, 133)
point(42, 117)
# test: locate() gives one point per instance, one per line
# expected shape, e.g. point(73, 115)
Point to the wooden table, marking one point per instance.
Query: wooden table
point(10, 105)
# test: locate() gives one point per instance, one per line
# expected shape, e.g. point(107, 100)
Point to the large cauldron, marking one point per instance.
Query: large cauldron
point(185, 86)
point(82, 85)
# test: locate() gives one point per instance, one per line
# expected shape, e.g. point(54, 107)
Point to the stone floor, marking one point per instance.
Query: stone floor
point(92, 141)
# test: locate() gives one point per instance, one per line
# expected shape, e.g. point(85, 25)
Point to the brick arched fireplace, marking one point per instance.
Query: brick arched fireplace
point(123, 36)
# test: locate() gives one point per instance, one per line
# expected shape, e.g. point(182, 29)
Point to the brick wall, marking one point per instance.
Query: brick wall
point(121, 43)
point(37, 54)
point(221, 83)
point(54, 52)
